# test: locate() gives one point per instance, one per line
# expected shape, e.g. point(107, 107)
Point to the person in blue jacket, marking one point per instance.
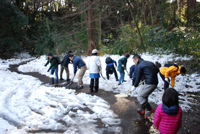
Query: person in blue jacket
point(78, 63)
point(132, 73)
point(110, 67)
point(149, 71)
point(64, 65)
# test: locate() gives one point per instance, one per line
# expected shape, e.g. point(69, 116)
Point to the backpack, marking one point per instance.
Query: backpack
point(57, 58)
point(169, 65)
point(108, 60)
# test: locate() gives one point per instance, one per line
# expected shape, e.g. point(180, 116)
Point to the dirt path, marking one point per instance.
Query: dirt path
point(125, 108)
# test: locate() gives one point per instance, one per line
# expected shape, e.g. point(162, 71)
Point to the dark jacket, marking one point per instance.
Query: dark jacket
point(77, 62)
point(147, 69)
point(121, 62)
point(65, 61)
point(110, 64)
point(132, 72)
point(53, 62)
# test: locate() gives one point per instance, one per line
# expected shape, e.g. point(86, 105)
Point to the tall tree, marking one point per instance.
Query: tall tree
point(136, 24)
point(91, 44)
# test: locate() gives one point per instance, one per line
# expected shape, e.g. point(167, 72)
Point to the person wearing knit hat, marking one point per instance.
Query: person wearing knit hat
point(127, 55)
point(121, 67)
point(94, 66)
point(94, 51)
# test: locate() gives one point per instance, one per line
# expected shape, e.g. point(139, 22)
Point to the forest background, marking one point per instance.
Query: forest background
point(111, 26)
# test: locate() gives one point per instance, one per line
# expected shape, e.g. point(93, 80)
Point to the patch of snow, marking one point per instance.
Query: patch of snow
point(112, 85)
point(26, 105)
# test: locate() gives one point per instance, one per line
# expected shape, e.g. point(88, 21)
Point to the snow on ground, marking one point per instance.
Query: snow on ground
point(28, 106)
point(112, 85)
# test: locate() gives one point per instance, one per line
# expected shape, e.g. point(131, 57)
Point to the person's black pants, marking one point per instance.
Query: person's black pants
point(94, 83)
point(113, 69)
point(166, 84)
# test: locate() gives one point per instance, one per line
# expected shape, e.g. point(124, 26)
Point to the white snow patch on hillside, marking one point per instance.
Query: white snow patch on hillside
point(112, 85)
point(26, 105)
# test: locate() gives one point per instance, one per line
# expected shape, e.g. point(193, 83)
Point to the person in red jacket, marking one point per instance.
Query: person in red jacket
point(168, 115)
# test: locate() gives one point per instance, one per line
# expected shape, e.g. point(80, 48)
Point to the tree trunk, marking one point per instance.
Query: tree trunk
point(136, 24)
point(150, 8)
point(70, 5)
point(188, 12)
point(18, 4)
point(138, 7)
point(144, 8)
point(180, 7)
point(99, 30)
point(157, 2)
point(174, 15)
point(91, 44)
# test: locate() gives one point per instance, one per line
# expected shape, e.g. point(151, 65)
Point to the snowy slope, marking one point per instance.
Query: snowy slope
point(28, 106)
point(112, 85)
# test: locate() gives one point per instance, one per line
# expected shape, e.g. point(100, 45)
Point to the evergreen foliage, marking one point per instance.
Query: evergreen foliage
point(13, 27)
point(119, 27)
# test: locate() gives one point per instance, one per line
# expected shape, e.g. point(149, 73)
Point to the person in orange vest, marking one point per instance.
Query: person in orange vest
point(171, 70)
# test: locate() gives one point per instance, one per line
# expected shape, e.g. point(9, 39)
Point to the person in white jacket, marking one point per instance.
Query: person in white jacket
point(94, 66)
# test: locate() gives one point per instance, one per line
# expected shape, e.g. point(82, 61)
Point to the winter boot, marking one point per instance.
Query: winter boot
point(149, 110)
point(91, 90)
point(79, 87)
point(142, 110)
point(96, 90)
point(52, 83)
point(149, 113)
point(56, 84)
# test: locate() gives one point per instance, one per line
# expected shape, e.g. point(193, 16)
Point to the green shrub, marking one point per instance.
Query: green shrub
point(12, 25)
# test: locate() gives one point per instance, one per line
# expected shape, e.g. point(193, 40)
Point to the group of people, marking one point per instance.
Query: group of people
point(168, 115)
point(142, 70)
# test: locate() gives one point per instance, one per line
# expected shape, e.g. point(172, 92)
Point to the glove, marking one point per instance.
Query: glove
point(47, 70)
point(45, 65)
point(133, 88)
point(166, 79)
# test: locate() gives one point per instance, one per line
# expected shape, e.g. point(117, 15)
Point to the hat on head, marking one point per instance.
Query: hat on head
point(94, 51)
point(183, 70)
point(127, 55)
point(50, 54)
point(71, 55)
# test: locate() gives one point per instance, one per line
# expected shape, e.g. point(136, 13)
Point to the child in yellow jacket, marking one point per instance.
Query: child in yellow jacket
point(172, 70)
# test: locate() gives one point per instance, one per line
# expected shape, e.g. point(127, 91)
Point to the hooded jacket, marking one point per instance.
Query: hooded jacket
point(170, 72)
point(148, 70)
point(94, 66)
point(65, 60)
point(121, 62)
point(53, 63)
point(168, 120)
point(77, 62)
